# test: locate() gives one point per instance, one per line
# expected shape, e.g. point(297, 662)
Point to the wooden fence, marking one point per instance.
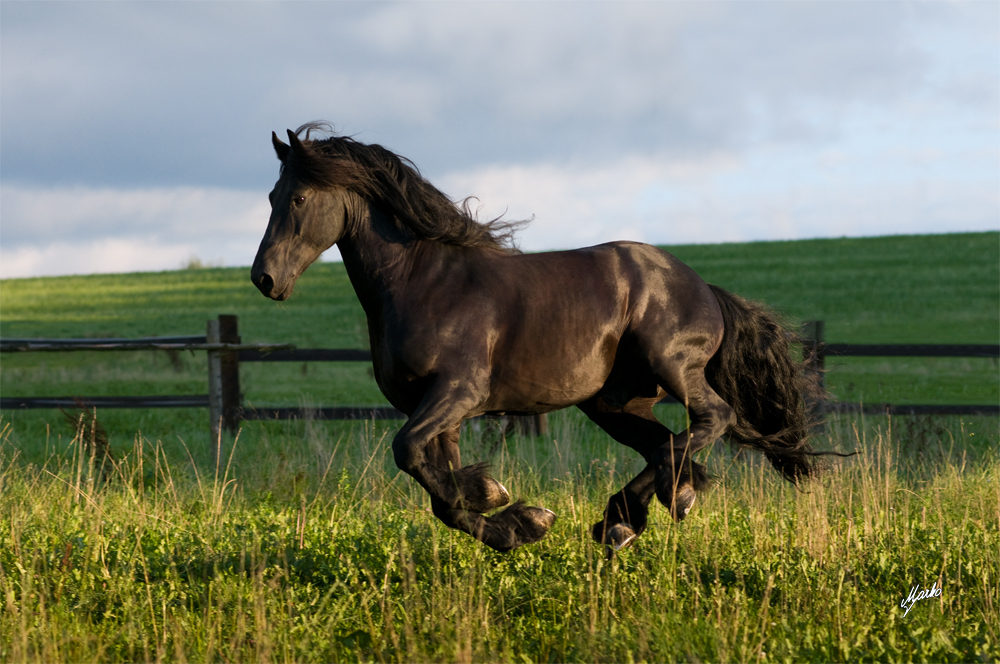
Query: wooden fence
point(226, 352)
point(224, 399)
point(817, 350)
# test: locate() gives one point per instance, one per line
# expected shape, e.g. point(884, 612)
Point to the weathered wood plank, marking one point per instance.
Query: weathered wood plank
point(918, 409)
point(335, 413)
point(162, 401)
point(8, 344)
point(214, 391)
point(913, 350)
point(307, 355)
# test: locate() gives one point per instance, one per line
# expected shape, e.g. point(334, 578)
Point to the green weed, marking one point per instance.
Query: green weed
point(307, 545)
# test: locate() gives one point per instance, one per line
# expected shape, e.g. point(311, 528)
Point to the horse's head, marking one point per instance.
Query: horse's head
point(306, 220)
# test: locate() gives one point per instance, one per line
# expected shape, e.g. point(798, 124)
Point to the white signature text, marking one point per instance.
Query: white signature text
point(916, 595)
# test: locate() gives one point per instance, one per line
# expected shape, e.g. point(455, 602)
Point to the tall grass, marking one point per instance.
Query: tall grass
point(304, 544)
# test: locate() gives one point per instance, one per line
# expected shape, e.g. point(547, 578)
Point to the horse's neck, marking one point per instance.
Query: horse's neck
point(378, 257)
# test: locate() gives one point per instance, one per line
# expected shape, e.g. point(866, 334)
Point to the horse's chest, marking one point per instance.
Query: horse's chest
point(400, 386)
point(401, 368)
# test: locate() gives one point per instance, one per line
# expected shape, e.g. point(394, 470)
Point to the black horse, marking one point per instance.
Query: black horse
point(461, 324)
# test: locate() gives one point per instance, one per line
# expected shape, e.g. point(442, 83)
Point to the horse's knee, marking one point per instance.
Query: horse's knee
point(712, 419)
point(725, 416)
point(413, 450)
point(405, 454)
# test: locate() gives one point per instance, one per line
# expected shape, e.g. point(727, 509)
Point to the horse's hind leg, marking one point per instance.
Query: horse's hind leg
point(634, 425)
point(678, 477)
point(671, 472)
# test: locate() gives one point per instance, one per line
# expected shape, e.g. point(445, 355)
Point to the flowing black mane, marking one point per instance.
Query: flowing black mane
point(394, 183)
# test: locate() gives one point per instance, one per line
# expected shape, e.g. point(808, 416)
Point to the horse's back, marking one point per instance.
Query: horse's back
point(665, 291)
point(568, 317)
point(643, 284)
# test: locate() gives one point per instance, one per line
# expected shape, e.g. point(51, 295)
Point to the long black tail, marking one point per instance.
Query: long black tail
point(755, 373)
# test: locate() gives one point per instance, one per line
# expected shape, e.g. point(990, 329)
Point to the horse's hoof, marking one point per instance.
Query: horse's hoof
point(500, 496)
point(517, 525)
point(543, 517)
point(532, 522)
point(495, 495)
point(491, 495)
point(617, 538)
point(683, 500)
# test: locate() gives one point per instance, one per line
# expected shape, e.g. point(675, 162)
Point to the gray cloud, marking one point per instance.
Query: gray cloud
point(171, 93)
point(147, 124)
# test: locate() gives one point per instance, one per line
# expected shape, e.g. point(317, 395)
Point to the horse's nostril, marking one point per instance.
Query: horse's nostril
point(265, 284)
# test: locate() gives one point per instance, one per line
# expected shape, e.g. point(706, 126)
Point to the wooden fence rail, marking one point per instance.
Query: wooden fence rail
point(224, 399)
point(225, 353)
point(816, 350)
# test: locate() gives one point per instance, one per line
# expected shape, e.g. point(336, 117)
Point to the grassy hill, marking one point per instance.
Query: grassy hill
point(307, 544)
point(896, 289)
point(903, 289)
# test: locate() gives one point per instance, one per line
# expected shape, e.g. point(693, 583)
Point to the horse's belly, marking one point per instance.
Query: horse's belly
point(548, 376)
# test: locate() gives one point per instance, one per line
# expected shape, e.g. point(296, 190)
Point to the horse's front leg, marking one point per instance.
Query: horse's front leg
point(443, 476)
point(427, 449)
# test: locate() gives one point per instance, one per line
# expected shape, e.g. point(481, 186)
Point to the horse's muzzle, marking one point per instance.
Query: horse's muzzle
point(265, 284)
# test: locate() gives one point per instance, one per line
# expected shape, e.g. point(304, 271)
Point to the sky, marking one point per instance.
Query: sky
point(136, 136)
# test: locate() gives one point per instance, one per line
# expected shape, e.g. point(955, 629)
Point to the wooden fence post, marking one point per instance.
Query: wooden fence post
point(532, 425)
point(213, 336)
point(814, 355)
point(229, 365)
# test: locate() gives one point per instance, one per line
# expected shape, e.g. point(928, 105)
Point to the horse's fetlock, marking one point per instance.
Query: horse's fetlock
point(677, 485)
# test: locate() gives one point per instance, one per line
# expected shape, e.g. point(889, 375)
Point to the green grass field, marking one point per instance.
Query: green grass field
point(306, 544)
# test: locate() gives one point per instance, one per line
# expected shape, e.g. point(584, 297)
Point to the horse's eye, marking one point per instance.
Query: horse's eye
point(298, 200)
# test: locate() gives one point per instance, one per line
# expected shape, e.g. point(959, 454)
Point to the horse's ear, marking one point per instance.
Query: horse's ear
point(295, 143)
point(279, 147)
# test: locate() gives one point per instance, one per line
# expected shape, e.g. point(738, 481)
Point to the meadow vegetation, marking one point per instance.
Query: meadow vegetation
point(306, 544)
